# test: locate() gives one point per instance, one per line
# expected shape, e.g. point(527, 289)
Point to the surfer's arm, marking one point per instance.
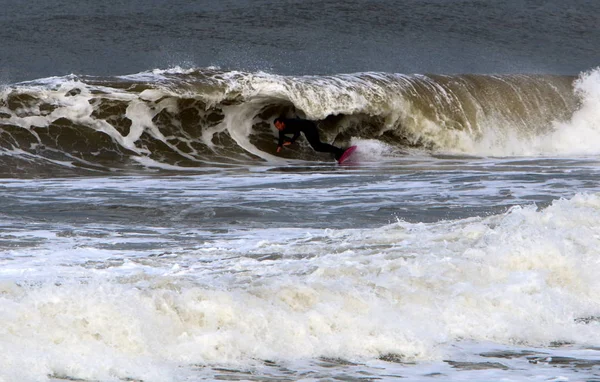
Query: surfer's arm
point(296, 135)
point(281, 142)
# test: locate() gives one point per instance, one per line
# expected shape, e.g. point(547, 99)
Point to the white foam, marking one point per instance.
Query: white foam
point(374, 150)
point(577, 136)
point(581, 134)
point(409, 289)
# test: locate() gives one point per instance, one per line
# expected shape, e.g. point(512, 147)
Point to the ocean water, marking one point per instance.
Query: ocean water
point(149, 231)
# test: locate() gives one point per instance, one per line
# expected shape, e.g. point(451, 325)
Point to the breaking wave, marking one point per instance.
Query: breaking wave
point(189, 119)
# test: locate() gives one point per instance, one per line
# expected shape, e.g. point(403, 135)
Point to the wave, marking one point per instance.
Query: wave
point(196, 118)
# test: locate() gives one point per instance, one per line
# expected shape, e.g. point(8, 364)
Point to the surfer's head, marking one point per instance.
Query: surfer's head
point(279, 124)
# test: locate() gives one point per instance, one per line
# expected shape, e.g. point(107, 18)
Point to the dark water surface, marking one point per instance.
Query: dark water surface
point(59, 37)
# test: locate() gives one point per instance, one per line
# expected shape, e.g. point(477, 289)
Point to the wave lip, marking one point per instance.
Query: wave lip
point(204, 117)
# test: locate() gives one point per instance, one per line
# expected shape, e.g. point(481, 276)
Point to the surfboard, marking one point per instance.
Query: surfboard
point(347, 154)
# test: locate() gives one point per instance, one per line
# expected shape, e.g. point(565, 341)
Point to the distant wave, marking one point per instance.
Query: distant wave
point(203, 117)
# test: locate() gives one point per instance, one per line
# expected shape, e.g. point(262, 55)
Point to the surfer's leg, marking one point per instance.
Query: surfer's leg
point(312, 137)
point(327, 148)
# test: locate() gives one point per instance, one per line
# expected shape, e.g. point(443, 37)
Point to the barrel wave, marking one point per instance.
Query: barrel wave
point(189, 119)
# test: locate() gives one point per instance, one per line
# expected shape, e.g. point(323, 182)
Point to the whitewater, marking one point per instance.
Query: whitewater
point(196, 277)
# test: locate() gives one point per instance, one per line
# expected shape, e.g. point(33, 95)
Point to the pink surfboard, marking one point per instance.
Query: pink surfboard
point(347, 154)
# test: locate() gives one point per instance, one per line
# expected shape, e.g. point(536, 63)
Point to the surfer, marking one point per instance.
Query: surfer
point(309, 128)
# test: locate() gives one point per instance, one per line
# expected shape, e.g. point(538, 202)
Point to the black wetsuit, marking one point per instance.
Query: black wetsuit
point(309, 128)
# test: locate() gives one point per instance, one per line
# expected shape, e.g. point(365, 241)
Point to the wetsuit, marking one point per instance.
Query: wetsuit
point(309, 128)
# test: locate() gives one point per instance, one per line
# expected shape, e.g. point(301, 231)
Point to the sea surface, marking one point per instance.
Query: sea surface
point(149, 230)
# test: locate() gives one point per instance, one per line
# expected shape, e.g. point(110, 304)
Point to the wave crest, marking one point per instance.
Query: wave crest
point(199, 117)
